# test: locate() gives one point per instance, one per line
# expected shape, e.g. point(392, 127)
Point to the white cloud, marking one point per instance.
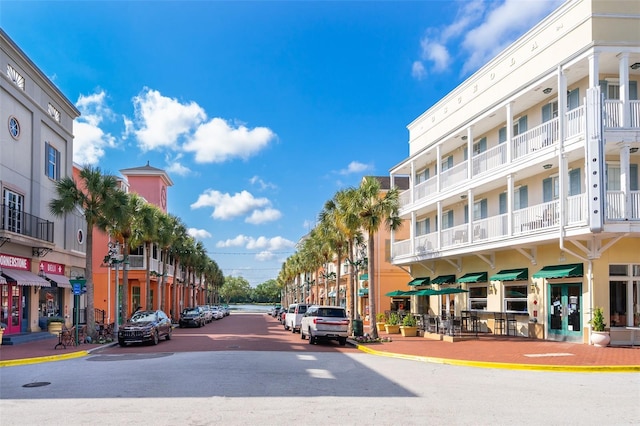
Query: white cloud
point(260, 243)
point(265, 256)
point(227, 206)
point(199, 234)
point(478, 32)
point(355, 167)
point(217, 141)
point(162, 121)
point(90, 140)
point(262, 216)
point(175, 166)
point(255, 180)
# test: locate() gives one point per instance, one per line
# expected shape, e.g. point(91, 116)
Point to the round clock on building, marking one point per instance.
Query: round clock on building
point(163, 197)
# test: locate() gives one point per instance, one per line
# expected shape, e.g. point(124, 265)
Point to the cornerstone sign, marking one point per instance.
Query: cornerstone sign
point(15, 262)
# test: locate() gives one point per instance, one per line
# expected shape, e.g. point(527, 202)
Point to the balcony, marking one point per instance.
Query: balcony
point(25, 224)
point(533, 221)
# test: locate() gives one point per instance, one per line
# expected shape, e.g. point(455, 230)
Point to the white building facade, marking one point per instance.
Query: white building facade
point(524, 181)
point(39, 253)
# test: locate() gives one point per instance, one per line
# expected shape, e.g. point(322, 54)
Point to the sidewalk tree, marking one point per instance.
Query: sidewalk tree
point(97, 195)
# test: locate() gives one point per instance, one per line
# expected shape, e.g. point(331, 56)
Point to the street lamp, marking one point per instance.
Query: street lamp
point(115, 258)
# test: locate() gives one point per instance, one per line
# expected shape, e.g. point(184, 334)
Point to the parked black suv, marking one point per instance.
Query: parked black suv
point(192, 317)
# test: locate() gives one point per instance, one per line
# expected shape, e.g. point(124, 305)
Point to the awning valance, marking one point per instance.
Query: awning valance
point(60, 280)
point(363, 292)
point(25, 278)
point(473, 277)
point(444, 279)
point(419, 281)
point(452, 291)
point(521, 274)
point(560, 271)
point(426, 292)
point(399, 293)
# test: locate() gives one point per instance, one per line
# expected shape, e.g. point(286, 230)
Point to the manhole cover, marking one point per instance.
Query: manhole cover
point(233, 347)
point(36, 384)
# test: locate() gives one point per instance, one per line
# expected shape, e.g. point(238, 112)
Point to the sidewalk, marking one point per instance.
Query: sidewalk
point(486, 351)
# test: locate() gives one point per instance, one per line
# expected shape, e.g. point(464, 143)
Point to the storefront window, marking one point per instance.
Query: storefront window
point(624, 295)
point(515, 298)
point(49, 302)
point(478, 298)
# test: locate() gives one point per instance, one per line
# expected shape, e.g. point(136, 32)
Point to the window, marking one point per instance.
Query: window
point(520, 126)
point(447, 163)
point(135, 296)
point(480, 209)
point(423, 227)
point(14, 128)
point(447, 219)
point(422, 176)
point(478, 297)
point(13, 218)
point(15, 76)
point(515, 298)
point(52, 162)
point(611, 89)
point(520, 198)
point(549, 111)
point(624, 295)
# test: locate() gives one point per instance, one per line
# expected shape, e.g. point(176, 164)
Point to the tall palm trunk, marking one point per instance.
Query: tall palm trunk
point(373, 329)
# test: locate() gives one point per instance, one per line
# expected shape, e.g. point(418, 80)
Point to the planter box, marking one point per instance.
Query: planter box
point(408, 331)
point(392, 329)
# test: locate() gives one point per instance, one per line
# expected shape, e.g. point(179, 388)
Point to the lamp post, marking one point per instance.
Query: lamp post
point(115, 258)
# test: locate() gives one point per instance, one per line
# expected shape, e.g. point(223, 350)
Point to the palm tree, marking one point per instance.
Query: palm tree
point(167, 234)
point(374, 210)
point(98, 196)
point(146, 225)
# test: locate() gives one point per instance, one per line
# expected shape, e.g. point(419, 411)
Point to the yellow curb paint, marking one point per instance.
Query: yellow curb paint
point(508, 366)
point(38, 360)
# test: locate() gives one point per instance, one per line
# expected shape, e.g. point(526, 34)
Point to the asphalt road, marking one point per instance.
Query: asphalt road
point(246, 370)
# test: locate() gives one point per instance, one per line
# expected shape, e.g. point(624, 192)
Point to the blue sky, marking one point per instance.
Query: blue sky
point(259, 111)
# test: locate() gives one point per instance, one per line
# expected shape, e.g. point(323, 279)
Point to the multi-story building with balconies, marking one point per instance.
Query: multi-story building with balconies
point(524, 181)
point(36, 151)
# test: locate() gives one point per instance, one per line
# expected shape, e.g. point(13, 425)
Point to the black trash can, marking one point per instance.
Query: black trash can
point(357, 327)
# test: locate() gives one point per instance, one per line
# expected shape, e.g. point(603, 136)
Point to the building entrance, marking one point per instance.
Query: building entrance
point(565, 319)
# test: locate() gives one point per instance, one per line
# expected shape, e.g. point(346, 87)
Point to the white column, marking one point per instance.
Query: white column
point(439, 224)
point(594, 71)
point(509, 131)
point(469, 153)
point(470, 204)
point(438, 165)
point(510, 204)
point(625, 179)
point(625, 115)
point(562, 109)
point(412, 232)
point(412, 181)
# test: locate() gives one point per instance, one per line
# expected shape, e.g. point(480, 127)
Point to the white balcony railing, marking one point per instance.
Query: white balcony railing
point(575, 122)
point(537, 138)
point(454, 175)
point(491, 159)
point(635, 113)
point(612, 113)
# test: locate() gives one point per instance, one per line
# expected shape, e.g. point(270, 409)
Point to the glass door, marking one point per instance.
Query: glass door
point(11, 309)
point(565, 320)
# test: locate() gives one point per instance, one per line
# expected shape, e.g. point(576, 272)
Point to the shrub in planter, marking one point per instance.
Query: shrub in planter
point(599, 337)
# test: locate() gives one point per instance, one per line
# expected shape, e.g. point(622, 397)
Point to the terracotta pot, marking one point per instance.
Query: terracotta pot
point(600, 339)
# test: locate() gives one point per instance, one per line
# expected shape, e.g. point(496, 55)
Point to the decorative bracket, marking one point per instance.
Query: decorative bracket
point(457, 264)
point(531, 256)
point(40, 251)
point(4, 240)
point(491, 260)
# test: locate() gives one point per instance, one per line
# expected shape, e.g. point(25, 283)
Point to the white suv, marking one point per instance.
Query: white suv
point(294, 316)
point(325, 322)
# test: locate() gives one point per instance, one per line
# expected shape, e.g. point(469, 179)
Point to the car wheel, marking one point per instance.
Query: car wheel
point(155, 337)
point(301, 334)
point(286, 327)
point(169, 334)
point(121, 342)
point(342, 341)
point(312, 340)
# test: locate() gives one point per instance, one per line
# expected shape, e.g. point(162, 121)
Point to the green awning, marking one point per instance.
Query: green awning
point(444, 279)
point(451, 291)
point(363, 292)
point(426, 292)
point(521, 274)
point(419, 281)
point(560, 271)
point(395, 293)
point(410, 293)
point(363, 277)
point(473, 277)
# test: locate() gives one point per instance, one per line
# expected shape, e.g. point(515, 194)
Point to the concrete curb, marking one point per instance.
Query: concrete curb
point(502, 365)
point(51, 358)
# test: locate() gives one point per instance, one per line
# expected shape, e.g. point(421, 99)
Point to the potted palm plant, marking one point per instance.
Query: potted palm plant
point(409, 327)
point(392, 326)
point(599, 336)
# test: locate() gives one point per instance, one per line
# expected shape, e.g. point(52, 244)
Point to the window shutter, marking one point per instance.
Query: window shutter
point(574, 182)
point(502, 201)
point(427, 226)
point(547, 190)
point(502, 135)
point(482, 145)
point(57, 165)
point(450, 215)
point(573, 99)
point(524, 195)
point(633, 173)
point(466, 153)
point(466, 213)
point(633, 90)
point(603, 87)
point(483, 209)
point(546, 113)
point(522, 125)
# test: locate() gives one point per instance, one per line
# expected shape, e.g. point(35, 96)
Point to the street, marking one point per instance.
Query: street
point(246, 370)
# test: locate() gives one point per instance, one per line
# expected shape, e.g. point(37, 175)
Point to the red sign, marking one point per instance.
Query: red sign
point(15, 262)
point(52, 268)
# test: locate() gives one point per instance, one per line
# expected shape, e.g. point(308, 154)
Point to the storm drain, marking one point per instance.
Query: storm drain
point(36, 384)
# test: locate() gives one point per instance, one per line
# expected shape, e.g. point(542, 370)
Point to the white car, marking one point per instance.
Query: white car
point(294, 316)
point(217, 313)
point(325, 322)
point(208, 315)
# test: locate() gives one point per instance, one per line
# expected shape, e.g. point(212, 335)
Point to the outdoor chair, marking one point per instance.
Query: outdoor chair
point(512, 324)
point(432, 324)
point(465, 318)
point(498, 323)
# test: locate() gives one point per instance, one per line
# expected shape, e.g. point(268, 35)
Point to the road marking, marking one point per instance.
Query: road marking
point(307, 358)
point(547, 355)
point(320, 374)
